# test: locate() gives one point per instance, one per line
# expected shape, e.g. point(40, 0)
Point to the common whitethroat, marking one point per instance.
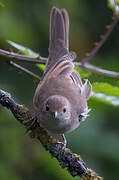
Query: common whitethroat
point(60, 100)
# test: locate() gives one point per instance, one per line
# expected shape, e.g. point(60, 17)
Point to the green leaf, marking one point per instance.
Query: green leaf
point(106, 93)
point(113, 100)
point(26, 51)
point(114, 5)
point(41, 66)
point(106, 88)
point(111, 3)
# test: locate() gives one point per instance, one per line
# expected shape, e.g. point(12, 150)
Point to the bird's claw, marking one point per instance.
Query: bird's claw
point(64, 142)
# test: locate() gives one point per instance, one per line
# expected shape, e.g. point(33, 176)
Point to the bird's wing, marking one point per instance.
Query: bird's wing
point(64, 68)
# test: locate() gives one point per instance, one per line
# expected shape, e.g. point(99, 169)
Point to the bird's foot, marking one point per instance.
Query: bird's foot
point(64, 142)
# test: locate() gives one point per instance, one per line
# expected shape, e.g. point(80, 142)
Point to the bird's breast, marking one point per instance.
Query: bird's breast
point(58, 126)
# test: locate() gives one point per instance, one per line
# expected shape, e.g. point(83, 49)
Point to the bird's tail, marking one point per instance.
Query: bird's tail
point(59, 32)
point(59, 37)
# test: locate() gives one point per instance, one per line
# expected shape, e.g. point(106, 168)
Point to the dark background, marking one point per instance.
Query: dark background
point(97, 139)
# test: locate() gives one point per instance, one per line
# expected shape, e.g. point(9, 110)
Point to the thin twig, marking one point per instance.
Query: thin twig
point(21, 68)
point(21, 57)
point(101, 42)
point(72, 162)
point(97, 70)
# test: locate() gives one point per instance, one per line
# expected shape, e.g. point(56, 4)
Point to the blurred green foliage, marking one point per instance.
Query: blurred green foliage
point(26, 22)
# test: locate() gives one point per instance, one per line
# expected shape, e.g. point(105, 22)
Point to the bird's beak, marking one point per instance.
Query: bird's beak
point(55, 114)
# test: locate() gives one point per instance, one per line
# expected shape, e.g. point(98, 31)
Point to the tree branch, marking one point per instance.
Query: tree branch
point(101, 42)
point(97, 70)
point(66, 158)
point(22, 57)
point(21, 68)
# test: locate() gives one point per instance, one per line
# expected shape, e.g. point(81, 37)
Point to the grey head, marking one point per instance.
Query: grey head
point(56, 113)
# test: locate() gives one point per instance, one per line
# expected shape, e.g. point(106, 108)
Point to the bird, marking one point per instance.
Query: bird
point(60, 100)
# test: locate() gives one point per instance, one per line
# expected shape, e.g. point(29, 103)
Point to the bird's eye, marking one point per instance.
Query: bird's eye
point(64, 110)
point(81, 118)
point(47, 108)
